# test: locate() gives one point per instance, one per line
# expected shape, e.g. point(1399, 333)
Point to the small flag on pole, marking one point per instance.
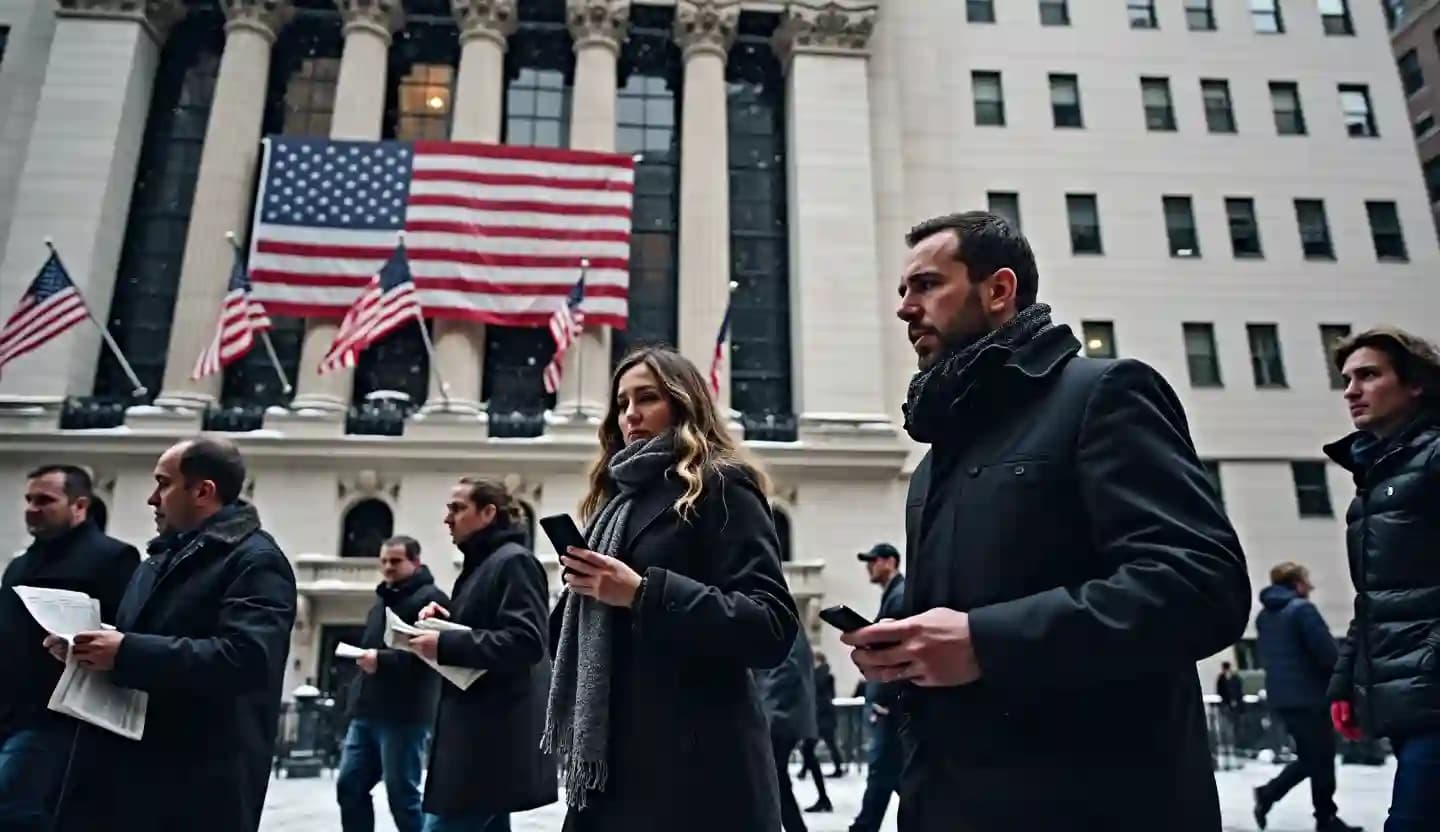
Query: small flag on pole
point(241, 317)
point(565, 327)
point(388, 303)
point(50, 307)
point(718, 361)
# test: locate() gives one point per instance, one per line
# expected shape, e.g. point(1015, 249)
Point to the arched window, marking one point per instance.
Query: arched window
point(782, 531)
point(367, 525)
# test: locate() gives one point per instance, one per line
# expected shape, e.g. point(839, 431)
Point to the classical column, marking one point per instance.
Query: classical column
point(485, 26)
point(704, 29)
point(78, 173)
point(359, 111)
point(598, 28)
point(222, 192)
point(839, 368)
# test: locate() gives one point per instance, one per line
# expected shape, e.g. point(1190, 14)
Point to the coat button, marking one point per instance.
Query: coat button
point(974, 471)
point(1019, 470)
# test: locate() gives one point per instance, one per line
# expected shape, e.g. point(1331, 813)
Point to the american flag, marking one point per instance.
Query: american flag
point(565, 326)
point(48, 308)
point(388, 303)
point(241, 316)
point(495, 232)
point(718, 360)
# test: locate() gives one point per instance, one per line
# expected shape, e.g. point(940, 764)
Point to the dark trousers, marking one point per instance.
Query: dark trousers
point(827, 736)
point(887, 758)
point(468, 822)
point(1415, 799)
point(378, 750)
point(1314, 759)
point(32, 771)
point(812, 767)
point(790, 817)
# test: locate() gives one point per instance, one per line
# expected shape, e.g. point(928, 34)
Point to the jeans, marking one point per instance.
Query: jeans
point(467, 822)
point(1415, 801)
point(887, 758)
point(376, 749)
point(1314, 758)
point(33, 760)
point(790, 818)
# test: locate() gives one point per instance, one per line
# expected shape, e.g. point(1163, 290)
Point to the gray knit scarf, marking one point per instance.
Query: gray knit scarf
point(577, 717)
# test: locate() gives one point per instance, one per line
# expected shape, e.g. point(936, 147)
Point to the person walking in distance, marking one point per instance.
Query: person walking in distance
point(787, 691)
point(882, 779)
point(1298, 654)
point(392, 700)
point(1068, 563)
point(1387, 679)
point(824, 731)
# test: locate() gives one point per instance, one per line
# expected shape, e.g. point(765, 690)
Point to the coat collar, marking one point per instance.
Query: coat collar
point(228, 526)
point(1044, 354)
point(421, 579)
point(1421, 433)
point(479, 546)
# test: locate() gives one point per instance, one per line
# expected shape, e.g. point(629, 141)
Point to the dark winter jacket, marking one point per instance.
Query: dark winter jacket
point(892, 605)
point(485, 755)
point(207, 622)
point(403, 689)
point(1296, 649)
point(689, 747)
point(788, 693)
point(1068, 513)
point(83, 560)
point(1389, 666)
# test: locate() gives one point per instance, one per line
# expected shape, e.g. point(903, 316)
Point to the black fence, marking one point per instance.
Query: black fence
point(1248, 731)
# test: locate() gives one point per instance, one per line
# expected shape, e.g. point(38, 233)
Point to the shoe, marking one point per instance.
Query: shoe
point(821, 806)
point(1262, 809)
point(839, 772)
point(1335, 824)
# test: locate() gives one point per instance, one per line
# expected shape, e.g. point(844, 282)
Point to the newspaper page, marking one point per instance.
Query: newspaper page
point(60, 612)
point(348, 651)
point(398, 635)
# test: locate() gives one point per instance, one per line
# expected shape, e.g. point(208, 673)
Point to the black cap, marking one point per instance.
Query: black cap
point(879, 550)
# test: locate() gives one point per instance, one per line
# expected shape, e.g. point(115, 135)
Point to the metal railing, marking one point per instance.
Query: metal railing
point(1250, 731)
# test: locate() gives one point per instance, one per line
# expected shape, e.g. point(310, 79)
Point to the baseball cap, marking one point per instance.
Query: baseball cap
point(879, 550)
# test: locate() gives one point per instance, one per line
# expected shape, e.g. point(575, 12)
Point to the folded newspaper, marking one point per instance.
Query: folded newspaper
point(87, 695)
point(398, 635)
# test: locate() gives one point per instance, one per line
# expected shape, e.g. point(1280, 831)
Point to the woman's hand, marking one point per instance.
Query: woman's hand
point(608, 580)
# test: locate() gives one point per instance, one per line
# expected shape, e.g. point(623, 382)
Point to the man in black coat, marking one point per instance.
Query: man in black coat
point(1298, 654)
point(204, 629)
point(1387, 679)
point(69, 552)
point(787, 691)
point(392, 700)
point(882, 566)
point(1068, 559)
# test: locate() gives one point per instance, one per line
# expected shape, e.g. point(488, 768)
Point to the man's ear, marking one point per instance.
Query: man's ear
point(1001, 289)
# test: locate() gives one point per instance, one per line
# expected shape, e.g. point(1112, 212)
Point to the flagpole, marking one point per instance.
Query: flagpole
point(430, 347)
point(139, 390)
point(580, 355)
point(285, 385)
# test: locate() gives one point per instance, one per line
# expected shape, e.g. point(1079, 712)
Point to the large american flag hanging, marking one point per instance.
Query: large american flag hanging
point(241, 317)
point(50, 307)
point(495, 233)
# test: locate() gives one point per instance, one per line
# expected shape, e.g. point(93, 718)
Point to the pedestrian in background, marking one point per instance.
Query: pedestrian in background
point(787, 691)
point(887, 755)
point(825, 724)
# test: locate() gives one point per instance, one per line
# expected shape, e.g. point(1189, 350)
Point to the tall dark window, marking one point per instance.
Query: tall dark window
point(980, 11)
point(1142, 14)
point(1159, 108)
point(1099, 338)
point(1084, 214)
point(1244, 228)
point(1330, 336)
point(1423, 125)
point(148, 279)
point(759, 247)
point(1385, 231)
point(1065, 101)
point(1007, 205)
point(1312, 490)
point(1285, 102)
point(1200, 15)
point(1054, 12)
point(1266, 16)
point(989, 98)
point(1219, 113)
point(1432, 178)
point(1265, 358)
point(1394, 12)
point(4, 42)
point(1314, 229)
point(367, 525)
point(1180, 226)
point(1359, 115)
point(1335, 17)
point(1412, 77)
point(1202, 358)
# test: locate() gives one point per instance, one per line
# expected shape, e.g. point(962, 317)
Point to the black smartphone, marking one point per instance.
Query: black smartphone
point(563, 533)
point(844, 619)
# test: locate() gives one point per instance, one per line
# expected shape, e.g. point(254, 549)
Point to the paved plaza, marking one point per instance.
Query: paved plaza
point(309, 805)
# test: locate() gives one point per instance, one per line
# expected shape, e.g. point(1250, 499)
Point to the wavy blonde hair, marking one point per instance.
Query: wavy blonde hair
point(703, 442)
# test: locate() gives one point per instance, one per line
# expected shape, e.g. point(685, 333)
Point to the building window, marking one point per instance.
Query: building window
point(366, 527)
point(1084, 213)
point(980, 11)
point(1201, 356)
point(1099, 338)
point(1142, 14)
point(1212, 472)
point(1359, 118)
point(1394, 12)
point(1244, 229)
point(1200, 15)
point(1265, 358)
point(1266, 16)
point(1006, 204)
point(1180, 227)
point(1330, 336)
point(425, 97)
point(989, 99)
point(1314, 229)
point(1432, 178)
point(1335, 17)
point(1065, 101)
point(1385, 231)
point(1054, 13)
point(4, 42)
point(1423, 125)
point(1312, 491)
point(1219, 113)
point(1412, 77)
point(310, 97)
point(1285, 101)
point(1159, 109)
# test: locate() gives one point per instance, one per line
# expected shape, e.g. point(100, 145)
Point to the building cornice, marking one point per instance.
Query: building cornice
point(157, 17)
point(836, 27)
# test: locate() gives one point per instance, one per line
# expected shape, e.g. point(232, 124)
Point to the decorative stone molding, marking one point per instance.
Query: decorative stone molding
point(157, 16)
point(830, 27)
point(266, 17)
point(706, 25)
point(383, 17)
point(522, 489)
point(493, 19)
point(603, 22)
point(366, 483)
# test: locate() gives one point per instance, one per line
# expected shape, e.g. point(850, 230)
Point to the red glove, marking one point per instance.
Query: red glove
point(1342, 714)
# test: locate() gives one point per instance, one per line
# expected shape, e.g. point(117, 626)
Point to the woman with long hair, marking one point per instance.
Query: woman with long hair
point(653, 715)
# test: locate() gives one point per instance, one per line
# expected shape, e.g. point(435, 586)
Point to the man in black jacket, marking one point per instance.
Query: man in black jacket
point(1068, 559)
point(1387, 679)
point(1298, 654)
point(887, 757)
point(204, 629)
point(68, 552)
point(392, 702)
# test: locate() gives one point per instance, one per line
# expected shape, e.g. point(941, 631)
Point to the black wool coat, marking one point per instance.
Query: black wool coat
point(485, 755)
point(689, 745)
point(1068, 513)
point(403, 688)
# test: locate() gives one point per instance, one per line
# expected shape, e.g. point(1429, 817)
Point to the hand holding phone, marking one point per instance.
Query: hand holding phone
point(563, 533)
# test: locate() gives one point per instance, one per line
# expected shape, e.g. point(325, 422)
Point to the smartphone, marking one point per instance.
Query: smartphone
point(844, 619)
point(563, 533)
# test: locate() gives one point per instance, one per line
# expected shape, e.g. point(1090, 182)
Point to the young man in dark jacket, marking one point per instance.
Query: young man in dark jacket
point(68, 552)
point(1068, 563)
point(392, 701)
point(1387, 680)
point(887, 757)
point(1298, 654)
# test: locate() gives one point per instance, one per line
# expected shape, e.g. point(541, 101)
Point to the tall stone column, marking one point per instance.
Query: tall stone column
point(704, 29)
point(598, 28)
point(359, 112)
point(78, 174)
point(222, 193)
point(485, 26)
point(839, 374)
